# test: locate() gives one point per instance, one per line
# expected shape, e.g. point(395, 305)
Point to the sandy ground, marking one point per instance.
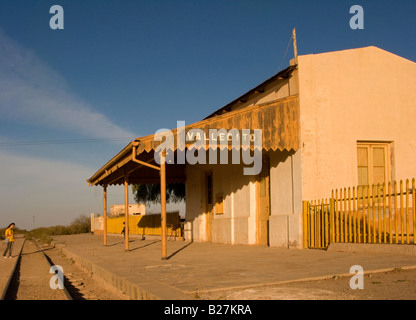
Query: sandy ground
point(32, 283)
point(31, 280)
point(200, 262)
point(81, 284)
point(399, 284)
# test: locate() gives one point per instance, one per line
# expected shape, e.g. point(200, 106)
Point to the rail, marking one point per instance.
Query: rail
point(68, 296)
point(14, 270)
point(9, 280)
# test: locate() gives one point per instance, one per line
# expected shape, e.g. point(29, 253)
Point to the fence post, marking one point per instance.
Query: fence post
point(390, 191)
point(354, 217)
point(326, 243)
point(312, 213)
point(305, 205)
point(341, 214)
point(384, 214)
point(414, 209)
point(358, 215)
point(374, 194)
point(365, 213)
point(407, 211)
point(332, 219)
point(401, 213)
point(336, 216)
point(345, 216)
point(378, 213)
point(396, 217)
point(318, 224)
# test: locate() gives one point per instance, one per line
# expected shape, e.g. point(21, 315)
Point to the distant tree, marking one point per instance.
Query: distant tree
point(150, 193)
point(81, 224)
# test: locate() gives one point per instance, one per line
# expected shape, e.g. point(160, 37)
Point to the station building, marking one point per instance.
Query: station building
point(329, 120)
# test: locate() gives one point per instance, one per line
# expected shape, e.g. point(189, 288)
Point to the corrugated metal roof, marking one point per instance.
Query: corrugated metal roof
point(284, 74)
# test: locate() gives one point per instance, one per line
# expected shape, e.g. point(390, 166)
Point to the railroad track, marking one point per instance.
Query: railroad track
point(51, 265)
point(10, 277)
point(31, 277)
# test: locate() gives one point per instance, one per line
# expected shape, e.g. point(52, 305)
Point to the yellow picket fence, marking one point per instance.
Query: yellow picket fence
point(365, 214)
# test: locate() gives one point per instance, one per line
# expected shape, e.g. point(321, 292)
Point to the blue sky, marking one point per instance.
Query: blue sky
point(123, 69)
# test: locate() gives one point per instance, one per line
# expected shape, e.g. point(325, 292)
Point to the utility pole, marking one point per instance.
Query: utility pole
point(295, 45)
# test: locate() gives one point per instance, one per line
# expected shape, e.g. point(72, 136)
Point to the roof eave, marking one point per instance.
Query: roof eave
point(127, 149)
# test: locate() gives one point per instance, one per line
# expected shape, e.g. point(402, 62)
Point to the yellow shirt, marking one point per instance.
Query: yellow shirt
point(9, 234)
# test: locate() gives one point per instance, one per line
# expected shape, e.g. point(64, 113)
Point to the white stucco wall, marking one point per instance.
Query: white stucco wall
point(235, 225)
point(285, 223)
point(136, 208)
point(346, 96)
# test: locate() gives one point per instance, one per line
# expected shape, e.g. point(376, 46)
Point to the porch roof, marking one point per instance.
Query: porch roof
point(278, 121)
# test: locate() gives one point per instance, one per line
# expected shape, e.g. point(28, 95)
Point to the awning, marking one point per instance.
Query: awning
point(278, 120)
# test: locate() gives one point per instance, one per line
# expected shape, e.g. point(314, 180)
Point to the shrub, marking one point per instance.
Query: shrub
point(82, 224)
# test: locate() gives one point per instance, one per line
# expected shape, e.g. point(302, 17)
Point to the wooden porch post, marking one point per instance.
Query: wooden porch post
point(162, 173)
point(105, 215)
point(126, 213)
point(163, 203)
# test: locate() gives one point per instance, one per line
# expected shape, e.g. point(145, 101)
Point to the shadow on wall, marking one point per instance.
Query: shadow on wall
point(151, 224)
point(213, 199)
point(144, 225)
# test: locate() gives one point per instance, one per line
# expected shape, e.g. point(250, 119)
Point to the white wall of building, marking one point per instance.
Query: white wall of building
point(347, 96)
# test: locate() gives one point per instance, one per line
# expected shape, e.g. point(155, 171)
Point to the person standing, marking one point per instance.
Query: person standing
point(9, 239)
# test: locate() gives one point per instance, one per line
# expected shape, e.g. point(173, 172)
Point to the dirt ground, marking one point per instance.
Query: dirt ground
point(31, 280)
point(80, 284)
point(399, 284)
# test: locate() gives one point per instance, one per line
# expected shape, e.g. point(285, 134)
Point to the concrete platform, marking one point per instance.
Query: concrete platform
point(194, 268)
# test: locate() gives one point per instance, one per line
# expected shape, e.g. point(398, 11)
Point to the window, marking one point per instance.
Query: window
point(373, 163)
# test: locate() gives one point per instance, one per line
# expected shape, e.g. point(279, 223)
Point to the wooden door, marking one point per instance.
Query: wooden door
point(209, 205)
point(263, 203)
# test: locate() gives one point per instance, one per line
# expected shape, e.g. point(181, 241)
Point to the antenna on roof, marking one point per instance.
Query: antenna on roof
point(295, 46)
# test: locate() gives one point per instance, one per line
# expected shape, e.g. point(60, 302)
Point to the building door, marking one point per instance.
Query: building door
point(209, 205)
point(263, 203)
